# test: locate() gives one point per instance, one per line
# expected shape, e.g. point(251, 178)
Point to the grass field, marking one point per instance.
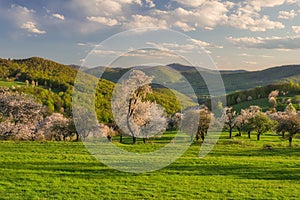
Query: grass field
point(10, 83)
point(263, 103)
point(235, 169)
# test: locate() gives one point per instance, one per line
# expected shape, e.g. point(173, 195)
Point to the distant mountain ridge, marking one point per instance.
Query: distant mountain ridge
point(234, 80)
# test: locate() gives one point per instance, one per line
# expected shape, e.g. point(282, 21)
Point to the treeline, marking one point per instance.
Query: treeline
point(288, 88)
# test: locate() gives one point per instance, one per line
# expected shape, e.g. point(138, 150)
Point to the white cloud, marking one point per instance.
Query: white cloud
point(249, 42)
point(247, 19)
point(106, 12)
point(214, 13)
point(21, 14)
point(184, 26)
point(150, 3)
point(139, 2)
point(190, 3)
point(252, 55)
point(96, 7)
point(150, 53)
point(279, 43)
point(87, 44)
point(296, 29)
point(189, 46)
point(205, 44)
point(58, 16)
point(31, 27)
point(25, 19)
point(186, 15)
point(141, 21)
point(250, 62)
point(259, 4)
point(103, 20)
point(248, 16)
point(209, 15)
point(106, 52)
point(287, 15)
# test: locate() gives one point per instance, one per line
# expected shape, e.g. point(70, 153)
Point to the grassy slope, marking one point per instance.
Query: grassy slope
point(10, 83)
point(235, 169)
point(263, 103)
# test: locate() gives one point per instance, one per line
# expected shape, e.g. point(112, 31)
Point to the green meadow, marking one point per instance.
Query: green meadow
point(235, 169)
point(10, 83)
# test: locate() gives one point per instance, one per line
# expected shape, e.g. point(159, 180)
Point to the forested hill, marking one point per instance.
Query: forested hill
point(47, 73)
point(233, 79)
point(52, 83)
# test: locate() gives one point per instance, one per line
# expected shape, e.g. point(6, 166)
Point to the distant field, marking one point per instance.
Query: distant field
point(235, 169)
point(10, 83)
point(263, 103)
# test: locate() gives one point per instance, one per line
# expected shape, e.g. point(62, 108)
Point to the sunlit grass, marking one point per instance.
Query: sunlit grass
point(10, 83)
point(236, 169)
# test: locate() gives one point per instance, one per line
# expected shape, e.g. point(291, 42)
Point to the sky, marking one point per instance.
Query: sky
point(249, 34)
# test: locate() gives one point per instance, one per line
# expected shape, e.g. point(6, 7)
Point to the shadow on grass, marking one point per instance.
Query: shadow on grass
point(275, 151)
point(238, 171)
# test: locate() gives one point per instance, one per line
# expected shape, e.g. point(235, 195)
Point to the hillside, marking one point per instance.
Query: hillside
point(247, 80)
point(52, 84)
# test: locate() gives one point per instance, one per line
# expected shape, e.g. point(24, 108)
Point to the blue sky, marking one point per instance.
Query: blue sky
point(250, 34)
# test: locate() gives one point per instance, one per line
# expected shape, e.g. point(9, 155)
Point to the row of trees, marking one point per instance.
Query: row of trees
point(253, 119)
point(263, 92)
point(134, 115)
point(22, 118)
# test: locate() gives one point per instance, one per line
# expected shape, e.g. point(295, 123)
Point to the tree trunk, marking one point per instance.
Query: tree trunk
point(239, 130)
point(258, 136)
point(192, 138)
point(202, 136)
point(230, 132)
point(290, 141)
point(283, 132)
point(197, 137)
point(144, 140)
point(109, 138)
point(249, 134)
point(77, 137)
point(133, 139)
point(121, 138)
